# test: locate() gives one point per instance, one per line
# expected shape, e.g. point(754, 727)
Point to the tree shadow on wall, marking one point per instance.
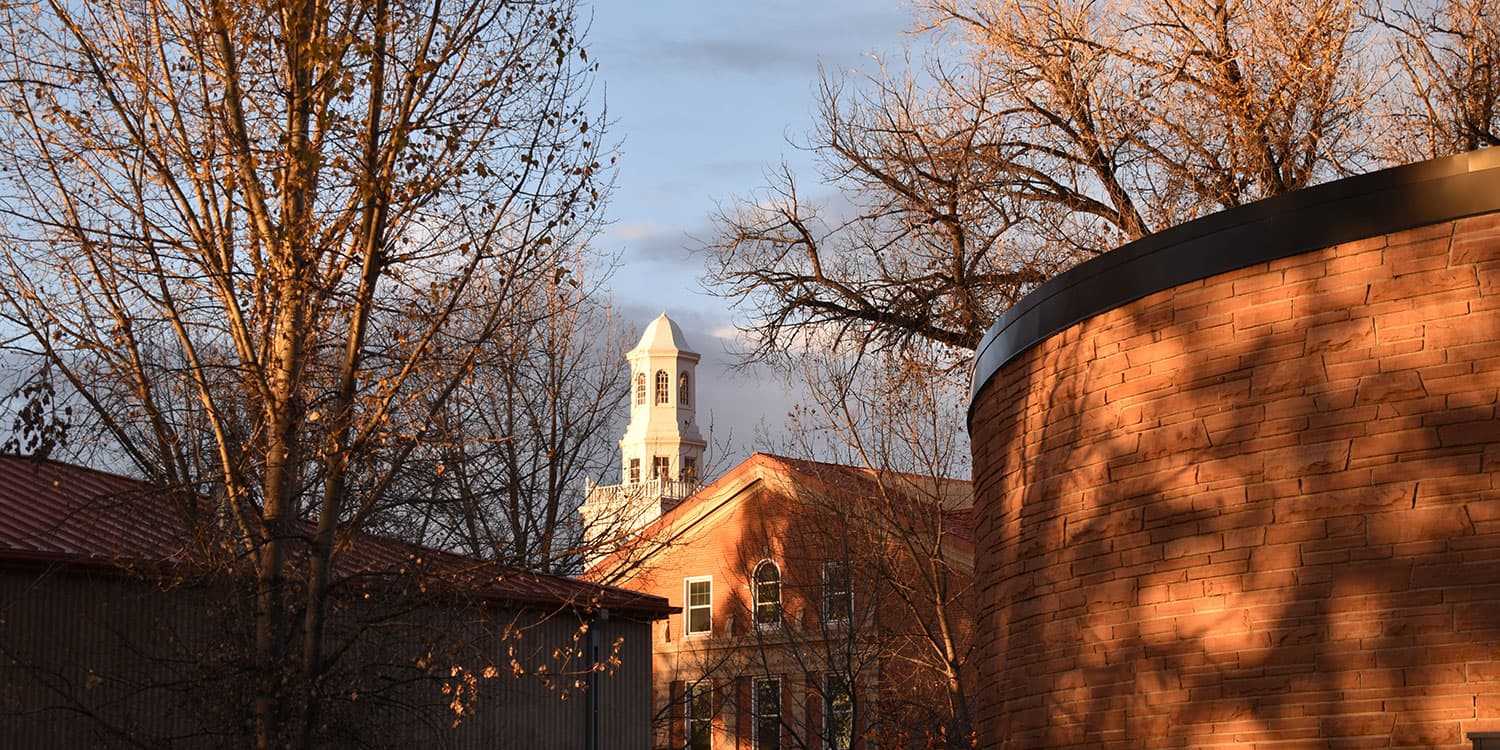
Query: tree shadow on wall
point(1253, 509)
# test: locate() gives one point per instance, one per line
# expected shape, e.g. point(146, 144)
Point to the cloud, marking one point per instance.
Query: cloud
point(636, 231)
point(654, 244)
point(742, 56)
point(761, 39)
point(727, 333)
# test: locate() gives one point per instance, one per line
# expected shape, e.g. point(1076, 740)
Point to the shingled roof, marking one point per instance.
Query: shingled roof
point(54, 512)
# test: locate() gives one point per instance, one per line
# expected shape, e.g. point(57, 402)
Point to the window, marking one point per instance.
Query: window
point(689, 468)
point(838, 596)
point(663, 386)
point(838, 713)
point(766, 714)
point(635, 470)
point(700, 604)
point(700, 716)
point(766, 593)
point(661, 467)
point(640, 388)
point(682, 389)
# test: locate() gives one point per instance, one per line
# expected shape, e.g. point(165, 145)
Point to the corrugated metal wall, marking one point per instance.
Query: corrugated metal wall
point(97, 660)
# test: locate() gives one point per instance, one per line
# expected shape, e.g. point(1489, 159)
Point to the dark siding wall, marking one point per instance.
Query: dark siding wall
point(100, 660)
point(550, 708)
point(93, 660)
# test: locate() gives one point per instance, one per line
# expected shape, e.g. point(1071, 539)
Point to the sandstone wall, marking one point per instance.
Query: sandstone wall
point(1259, 509)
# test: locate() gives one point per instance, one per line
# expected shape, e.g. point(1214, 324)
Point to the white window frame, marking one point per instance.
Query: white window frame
point(688, 607)
point(635, 470)
point(830, 689)
point(684, 397)
point(829, 594)
point(688, 719)
point(755, 596)
point(758, 714)
point(640, 389)
point(661, 467)
point(663, 388)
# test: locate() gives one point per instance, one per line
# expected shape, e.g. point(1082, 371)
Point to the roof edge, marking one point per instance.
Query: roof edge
point(1333, 213)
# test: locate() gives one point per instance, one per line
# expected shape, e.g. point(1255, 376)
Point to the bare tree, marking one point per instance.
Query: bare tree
point(1038, 134)
point(1446, 94)
point(264, 245)
point(527, 433)
point(878, 626)
point(923, 250)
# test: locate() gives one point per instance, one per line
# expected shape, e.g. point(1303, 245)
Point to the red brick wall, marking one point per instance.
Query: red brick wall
point(1257, 510)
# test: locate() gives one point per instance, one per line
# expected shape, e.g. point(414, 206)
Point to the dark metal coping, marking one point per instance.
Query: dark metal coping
point(1282, 226)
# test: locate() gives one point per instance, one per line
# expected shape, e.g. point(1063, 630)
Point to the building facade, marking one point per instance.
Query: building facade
point(791, 631)
point(1236, 483)
point(112, 635)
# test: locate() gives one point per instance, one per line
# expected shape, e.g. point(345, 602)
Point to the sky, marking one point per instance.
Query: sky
point(706, 97)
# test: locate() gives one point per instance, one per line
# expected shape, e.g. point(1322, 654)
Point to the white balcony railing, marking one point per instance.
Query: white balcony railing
point(615, 495)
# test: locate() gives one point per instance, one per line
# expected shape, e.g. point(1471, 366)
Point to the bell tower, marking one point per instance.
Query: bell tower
point(662, 441)
point(661, 454)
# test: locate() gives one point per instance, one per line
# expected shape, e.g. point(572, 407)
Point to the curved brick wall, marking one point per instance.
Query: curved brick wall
point(1257, 509)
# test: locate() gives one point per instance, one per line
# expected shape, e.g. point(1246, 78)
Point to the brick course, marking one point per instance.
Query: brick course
point(1257, 510)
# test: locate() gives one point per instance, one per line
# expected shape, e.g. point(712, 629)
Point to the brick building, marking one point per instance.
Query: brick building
point(791, 632)
point(1236, 482)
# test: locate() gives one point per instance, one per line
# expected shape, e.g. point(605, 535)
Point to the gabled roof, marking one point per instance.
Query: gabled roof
point(56, 512)
point(832, 479)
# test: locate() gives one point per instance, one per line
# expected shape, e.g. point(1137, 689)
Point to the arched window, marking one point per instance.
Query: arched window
point(640, 388)
point(663, 386)
point(682, 389)
point(766, 593)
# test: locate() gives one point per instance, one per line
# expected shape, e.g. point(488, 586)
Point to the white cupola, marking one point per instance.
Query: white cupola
point(662, 451)
point(662, 441)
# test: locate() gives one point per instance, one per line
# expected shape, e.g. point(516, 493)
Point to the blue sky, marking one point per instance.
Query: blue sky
point(706, 97)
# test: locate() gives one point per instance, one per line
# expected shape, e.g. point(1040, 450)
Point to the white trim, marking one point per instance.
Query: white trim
point(848, 593)
point(755, 601)
point(828, 729)
point(687, 712)
point(756, 714)
point(687, 606)
point(663, 389)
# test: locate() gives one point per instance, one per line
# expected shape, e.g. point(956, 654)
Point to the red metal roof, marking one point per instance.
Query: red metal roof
point(52, 510)
point(58, 512)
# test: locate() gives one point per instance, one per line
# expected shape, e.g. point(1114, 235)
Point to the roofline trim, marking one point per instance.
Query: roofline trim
point(1334, 213)
point(633, 602)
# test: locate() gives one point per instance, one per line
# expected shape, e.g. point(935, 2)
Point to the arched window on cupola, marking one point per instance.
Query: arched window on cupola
point(640, 388)
point(765, 591)
point(682, 389)
point(663, 386)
